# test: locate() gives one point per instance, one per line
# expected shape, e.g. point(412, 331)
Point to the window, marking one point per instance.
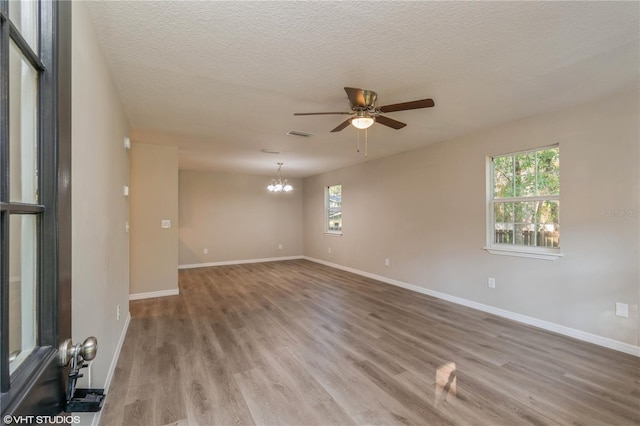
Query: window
point(333, 209)
point(524, 204)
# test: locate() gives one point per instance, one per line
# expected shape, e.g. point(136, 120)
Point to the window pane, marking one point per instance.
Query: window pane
point(549, 171)
point(24, 15)
point(23, 128)
point(335, 221)
point(334, 208)
point(503, 177)
point(524, 212)
point(549, 235)
point(525, 171)
point(547, 212)
point(503, 233)
point(524, 226)
point(548, 224)
point(22, 287)
point(503, 212)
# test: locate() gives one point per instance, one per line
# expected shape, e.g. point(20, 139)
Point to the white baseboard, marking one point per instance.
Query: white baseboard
point(116, 354)
point(239, 262)
point(112, 367)
point(152, 294)
point(545, 325)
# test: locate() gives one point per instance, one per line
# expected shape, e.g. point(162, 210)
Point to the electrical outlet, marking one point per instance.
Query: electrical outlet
point(622, 310)
point(205, 251)
point(386, 262)
point(491, 282)
point(118, 313)
point(280, 246)
point(329, 250)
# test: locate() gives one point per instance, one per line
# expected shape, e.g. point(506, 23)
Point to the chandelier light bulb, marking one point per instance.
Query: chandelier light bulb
point(278, 184)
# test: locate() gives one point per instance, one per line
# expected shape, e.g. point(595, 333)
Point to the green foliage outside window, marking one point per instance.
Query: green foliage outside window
point(526, 205)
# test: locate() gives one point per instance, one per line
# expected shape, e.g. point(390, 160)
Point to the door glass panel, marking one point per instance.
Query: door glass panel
point(22, 287)
point(23, 128)
point(24, 15)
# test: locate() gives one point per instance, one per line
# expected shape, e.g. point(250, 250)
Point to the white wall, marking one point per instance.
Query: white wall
point(100, 169)
point(425, 211)
point(236, 218)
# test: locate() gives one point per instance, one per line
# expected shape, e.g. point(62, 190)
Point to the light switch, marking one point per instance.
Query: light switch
point(125, 191)
point(165, 223)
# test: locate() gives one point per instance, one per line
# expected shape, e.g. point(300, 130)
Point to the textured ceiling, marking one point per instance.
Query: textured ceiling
point(221, 80)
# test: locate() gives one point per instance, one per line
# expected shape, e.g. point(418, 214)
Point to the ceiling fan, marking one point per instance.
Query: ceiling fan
point(365, 112)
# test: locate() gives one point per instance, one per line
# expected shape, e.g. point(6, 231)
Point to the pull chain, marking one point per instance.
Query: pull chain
point(366, 142)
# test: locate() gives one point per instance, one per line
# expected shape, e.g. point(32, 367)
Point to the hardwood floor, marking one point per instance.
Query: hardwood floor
point(297, 343)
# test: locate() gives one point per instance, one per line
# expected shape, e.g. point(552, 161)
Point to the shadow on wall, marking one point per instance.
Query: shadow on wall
point(187, 256)
point(185, 214)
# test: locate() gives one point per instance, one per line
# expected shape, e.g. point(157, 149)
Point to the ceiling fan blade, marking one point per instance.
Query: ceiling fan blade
point(356, 97)
point(423, 103)
point(321, 113)
point(342, 126)
point(389, 122)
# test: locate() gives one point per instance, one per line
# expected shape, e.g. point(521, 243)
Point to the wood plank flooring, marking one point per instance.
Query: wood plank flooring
point(297, 343)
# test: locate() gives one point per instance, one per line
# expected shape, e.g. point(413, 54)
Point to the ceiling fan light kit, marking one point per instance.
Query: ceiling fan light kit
point(362, 121)
point(278, 184)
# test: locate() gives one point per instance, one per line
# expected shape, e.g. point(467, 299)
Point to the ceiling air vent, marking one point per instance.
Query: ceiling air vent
point(299, 133)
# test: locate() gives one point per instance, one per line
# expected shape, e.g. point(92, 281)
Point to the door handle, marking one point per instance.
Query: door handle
point(85, 351)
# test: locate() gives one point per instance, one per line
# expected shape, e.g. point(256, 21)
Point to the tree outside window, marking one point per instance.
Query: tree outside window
point(525, 199)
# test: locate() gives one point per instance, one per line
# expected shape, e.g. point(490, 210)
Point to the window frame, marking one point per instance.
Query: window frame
point(327, 229)
point(534, 252)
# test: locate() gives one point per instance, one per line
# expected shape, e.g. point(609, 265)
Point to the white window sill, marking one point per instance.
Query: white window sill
point(333, 234)
point(548, 254)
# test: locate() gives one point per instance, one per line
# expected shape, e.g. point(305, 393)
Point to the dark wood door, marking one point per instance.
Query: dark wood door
point(35, 204)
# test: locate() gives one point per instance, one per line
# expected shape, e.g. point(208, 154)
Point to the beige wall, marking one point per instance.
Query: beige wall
point(153, 198)
point(236, 218)
point(425, 211)
point(100, 168)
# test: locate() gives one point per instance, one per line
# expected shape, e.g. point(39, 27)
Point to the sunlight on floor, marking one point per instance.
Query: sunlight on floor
point(445, 383)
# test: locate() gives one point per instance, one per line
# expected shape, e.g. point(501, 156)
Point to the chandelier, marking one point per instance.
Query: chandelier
point(278, 184)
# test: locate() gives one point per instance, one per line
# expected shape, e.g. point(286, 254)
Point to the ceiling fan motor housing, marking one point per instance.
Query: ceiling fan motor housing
point(370, 99)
